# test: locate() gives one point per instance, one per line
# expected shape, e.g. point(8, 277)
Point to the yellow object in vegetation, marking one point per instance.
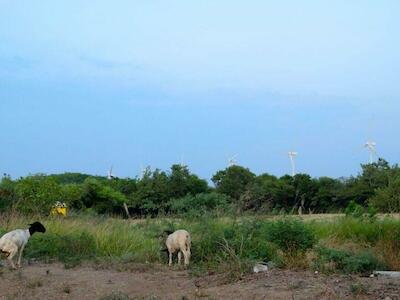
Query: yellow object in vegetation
point(59, 209)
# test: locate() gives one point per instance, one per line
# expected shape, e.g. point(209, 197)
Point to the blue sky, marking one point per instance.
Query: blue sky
point(89, 84)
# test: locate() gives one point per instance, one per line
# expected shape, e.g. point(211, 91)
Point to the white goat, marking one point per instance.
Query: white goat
point(179, 241)
point(15, 241)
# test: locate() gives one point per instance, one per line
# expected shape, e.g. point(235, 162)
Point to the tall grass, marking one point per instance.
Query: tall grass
point(217, 242)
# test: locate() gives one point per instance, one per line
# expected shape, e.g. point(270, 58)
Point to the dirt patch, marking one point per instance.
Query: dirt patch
point(53, 281)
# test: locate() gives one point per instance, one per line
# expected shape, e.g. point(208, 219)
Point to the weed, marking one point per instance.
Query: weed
point(34, 283)
point(347, 262)
point(229, 244)
point(66, 288)
point(358, 289)
point(291, 236)
point(115, 295)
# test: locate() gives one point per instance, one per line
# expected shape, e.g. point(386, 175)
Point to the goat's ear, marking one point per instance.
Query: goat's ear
point(168, 232)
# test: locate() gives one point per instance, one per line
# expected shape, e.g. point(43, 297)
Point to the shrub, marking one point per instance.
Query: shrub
point(62, 247)
point(196, 206)
point(387, 199)
point(36, 194)
point(348, 262)
point(116, 295)
point(354, 209)
point(215, 241)
point(389, 246)
point(291, 235)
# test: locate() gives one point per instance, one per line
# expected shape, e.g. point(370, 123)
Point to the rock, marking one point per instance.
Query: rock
point(260, 267)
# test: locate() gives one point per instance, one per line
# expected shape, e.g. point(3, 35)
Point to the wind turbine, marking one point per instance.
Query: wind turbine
point(182, 164)
point(110, 174)
point(292, 156)
point(142, 171)
point(371, 147)
point(232, 161)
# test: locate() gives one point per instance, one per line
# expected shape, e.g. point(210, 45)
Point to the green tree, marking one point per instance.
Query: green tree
point(72, 194)
point(7, 193)
point(284, 193)
point(102, 198)
point(233, 181)
point(387, 199)
point(326, 197)
point(259, 195)
point(182, 182)
point(152, 193)
point(199, 204)
point(36, 194)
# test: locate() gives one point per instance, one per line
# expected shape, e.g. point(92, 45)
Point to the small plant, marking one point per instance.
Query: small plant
point(291, 236)
point(354, 209)
point(358, 289)
point(238, 266)
point(115, 295)
point(348, 262)
point(199, 205)
point(34, 283)
point(66, 288)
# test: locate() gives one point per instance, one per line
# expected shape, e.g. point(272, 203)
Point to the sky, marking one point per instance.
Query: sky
point(86, 85)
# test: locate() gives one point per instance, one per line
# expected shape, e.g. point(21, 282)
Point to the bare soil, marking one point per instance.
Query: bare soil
point(54, 281)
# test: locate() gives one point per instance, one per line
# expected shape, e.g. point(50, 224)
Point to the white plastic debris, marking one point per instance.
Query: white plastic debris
point(387, 273)
point(260, 267)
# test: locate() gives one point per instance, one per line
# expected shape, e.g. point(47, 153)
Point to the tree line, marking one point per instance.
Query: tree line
point(178, 191)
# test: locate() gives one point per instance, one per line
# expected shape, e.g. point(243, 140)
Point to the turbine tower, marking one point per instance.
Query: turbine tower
point(232, 161)
point(182, 164)
point(292, 155)
point(142, 171)
point(371, 147)
point(110, 174)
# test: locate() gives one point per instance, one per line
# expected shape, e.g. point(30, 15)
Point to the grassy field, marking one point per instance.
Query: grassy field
point(328, 243)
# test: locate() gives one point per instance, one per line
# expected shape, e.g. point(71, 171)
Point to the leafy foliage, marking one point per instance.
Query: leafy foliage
point(199, 204)
point(348, 262)
point(177, 191)
point(291, 235)
point(233, 181)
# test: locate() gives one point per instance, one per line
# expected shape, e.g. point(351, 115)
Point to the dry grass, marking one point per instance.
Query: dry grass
point(123, 242)
point(388, 250)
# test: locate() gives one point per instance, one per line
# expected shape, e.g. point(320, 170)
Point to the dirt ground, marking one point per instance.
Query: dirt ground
point(53, 281)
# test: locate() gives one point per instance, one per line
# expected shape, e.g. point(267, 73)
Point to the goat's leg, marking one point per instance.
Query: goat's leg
point(12, 251)
point(20, 256)
point(186, 256)
point(179, 257)
point(170, 259)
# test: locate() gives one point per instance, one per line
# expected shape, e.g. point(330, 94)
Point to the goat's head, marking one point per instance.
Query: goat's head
point(36, 227)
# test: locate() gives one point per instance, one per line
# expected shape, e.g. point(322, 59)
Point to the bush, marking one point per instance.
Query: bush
point(198, 205)
point(212, 238)
point(348, 262)
point(37, 194)
point(291, 236)
point(354, 209)
point(387, 199)
point(62, 247)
